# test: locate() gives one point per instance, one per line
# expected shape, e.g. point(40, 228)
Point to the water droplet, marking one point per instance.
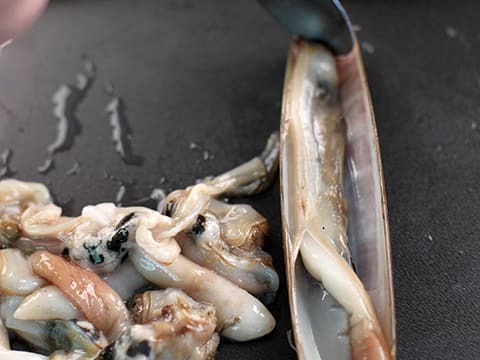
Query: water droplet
point(47, 165)
point(75, 169)
point(368, 47)
point(82, 81)
point(451, 32)
point(109, 89)
point(120, 195)
point(206, 155)
point(5, 158)
point(89, 66)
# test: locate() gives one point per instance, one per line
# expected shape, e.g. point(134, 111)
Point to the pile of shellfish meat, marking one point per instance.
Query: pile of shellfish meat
point(132, 282)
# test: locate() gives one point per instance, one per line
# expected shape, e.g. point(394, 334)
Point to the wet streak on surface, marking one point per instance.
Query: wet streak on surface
point(120, 194)
point(121, 131)
point(5, 168)
point(66, 100)
point(75, 169)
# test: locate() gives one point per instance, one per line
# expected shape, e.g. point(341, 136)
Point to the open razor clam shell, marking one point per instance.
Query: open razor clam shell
point(320, 326)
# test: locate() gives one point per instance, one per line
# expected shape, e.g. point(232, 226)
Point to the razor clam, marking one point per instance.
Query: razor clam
point(74, 355)
point(242, 225)
point(99, 239)
point(227, 239)
point(15, 194)
point(15, 197)
point(315, 214)
point(171, 325)
point(33, 332)
point(16, 274)
point(125, 280)
point(100, 304)
point(241, 317)
point(155, 237)
point(6, 353)
point(252, 177)
point(147, 228)
point(76, 336)
point(20, 355)
point(368, 231)
point(9, 232)
point(47, 303)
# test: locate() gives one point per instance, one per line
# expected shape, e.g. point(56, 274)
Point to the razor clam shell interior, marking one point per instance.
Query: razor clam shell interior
point(365, 191)
point(316, 317)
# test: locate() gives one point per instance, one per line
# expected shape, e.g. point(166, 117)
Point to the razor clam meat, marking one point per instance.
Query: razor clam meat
point(81, 270)
point(21, 355)
point(76, 336)
point(241, 316)
point(100, 304)
point(16, 274)
point(15, 197)
point(47, 303)
point(33, 332)
point(170, 325)
point(252, 177)
point(125, 280)
point(314, 209)
point(99, 239)
point(6, 353)
point(228, 238)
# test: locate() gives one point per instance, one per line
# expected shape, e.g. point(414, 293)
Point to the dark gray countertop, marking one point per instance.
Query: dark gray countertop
point(211, 73)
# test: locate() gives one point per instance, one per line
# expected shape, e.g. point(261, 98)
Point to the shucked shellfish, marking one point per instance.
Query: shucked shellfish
point(337, 312)
point(66, 279)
